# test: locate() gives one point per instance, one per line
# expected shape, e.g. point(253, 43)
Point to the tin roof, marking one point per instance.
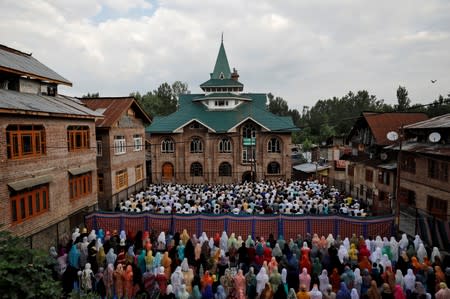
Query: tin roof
point(442, 121)
point(382, 123)
point(424, 148)
point(33, 104)
point(112, 108)
point(14, 61)
point(310, 167)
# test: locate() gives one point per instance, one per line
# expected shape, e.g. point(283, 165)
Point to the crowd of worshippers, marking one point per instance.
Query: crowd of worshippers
point(275, 197)
point(183, 266)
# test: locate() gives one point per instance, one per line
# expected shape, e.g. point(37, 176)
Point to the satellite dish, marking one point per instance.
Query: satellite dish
point(383, 156)
point(392, 136)
point(434, 137)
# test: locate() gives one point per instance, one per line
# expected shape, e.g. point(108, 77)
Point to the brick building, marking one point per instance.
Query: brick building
point(221, 136)
point(47, 157)
point(425, 159)
point(370, 168)
point(121, 156)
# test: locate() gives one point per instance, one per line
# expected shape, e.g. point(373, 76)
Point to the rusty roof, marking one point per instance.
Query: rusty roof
point(17, 62)
point(14, 102)
point(113, 108)
point(442, 121)
point(436, 149)
point(382, 123)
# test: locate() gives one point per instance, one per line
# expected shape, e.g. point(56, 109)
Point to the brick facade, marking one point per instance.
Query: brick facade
point(56, 162)
point(211, 158)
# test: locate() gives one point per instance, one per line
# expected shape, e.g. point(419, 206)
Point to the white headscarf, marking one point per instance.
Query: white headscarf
point(421, 252)
point(354, 294)
point(399, 278)
point(435, 254)
point(403, 243)
point(324, 281)
point(261, 279)
point(410, 280)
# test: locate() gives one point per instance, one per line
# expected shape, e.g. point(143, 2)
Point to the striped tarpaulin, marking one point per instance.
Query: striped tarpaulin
point(241, 227)
point(256, 226)
point(134, 223)
point(159, 223)
point(293, 227)
point(212, 224)
point(380, 228)
point(185, 222)
point(264, 226)
point(326, 225)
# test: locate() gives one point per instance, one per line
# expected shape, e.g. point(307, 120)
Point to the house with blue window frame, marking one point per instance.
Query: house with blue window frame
point(223, 135)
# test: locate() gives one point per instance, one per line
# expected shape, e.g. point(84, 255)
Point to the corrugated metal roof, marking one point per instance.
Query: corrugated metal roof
point(113, 108)
point(222, 120)
point(18, 102)
point(25, 64)
point(310, 167)
point(424, 148)
point(31, 182)
point(442, 121)
point(382, 123)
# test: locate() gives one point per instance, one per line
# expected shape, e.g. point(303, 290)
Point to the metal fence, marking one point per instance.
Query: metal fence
point(431, 229)
point(288, 226)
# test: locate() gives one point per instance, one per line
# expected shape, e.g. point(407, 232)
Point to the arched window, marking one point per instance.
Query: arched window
point(196, 169)
point(249, 131)
point(196, 145)
point(225, 169)
point(274, 145)
point(225, 145)
point(167, 146)
point(273, 168)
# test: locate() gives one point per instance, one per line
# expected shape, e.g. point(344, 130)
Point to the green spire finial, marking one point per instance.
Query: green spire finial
point(221, 68)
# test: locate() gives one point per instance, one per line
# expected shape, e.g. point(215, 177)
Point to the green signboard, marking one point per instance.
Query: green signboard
point(249, 141)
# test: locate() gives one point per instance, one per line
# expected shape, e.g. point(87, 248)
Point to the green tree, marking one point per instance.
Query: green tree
point(163, 100)
point(278, 105)
point(25, 272)
point(403, 99)
point(91, 95)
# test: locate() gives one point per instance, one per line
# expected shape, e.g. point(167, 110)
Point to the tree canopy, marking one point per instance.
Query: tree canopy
point(163, 100)
point(25, 272)
point(335, 116)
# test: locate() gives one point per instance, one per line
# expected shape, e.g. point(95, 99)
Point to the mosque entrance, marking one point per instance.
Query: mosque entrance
point(167, 171)
point(247, 176)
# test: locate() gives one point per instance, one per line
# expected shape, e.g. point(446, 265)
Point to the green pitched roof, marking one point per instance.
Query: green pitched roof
point(221, 65)
point(221, 83)
point(221, 120)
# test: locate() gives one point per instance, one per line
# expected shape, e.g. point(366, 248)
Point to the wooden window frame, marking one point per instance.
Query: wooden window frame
point(137, 140)
point(274, 145)
point(408, 164)
point(139, 173)
point(77, 138)
point(272, 168)
point(196, 169)
point(437, 170)
point(29, 203)
point(225, 169)
point(15, 143)
point(225, 145)
point(196, 145)
point(351, 170)
point(369, 175)
point(167, 146)
point(120, 145)
point(384, 177)
point(99, 148)
point(80, 185)
point(121, 179)
point(100, 183)
point(437, 207)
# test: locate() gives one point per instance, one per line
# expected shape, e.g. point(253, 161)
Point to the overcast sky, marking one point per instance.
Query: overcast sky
point(300, 50)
